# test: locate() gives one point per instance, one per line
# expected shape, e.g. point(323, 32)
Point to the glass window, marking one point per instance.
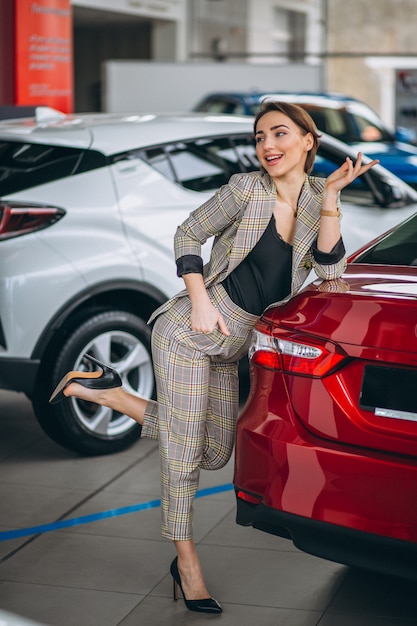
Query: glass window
point(351, 123)
point(24, 165)
point(397, 248)
point(158, 158)
point(203, 164)
point(367, 120)
point(334, 121)
point(246, 152)
point(193, 169)
point(222, 106)
point(289, 33)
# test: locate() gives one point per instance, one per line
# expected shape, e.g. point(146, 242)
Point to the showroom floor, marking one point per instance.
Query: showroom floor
point(80, 546)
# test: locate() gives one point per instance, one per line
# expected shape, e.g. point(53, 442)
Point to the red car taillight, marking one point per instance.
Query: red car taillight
point(17, 218)
point(292, 353)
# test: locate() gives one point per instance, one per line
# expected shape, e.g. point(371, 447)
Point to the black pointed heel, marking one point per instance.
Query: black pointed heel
point(108, 378)
point(207, 605)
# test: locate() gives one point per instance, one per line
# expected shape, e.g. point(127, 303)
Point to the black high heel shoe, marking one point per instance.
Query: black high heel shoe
point(207, 605)
point(108, 378)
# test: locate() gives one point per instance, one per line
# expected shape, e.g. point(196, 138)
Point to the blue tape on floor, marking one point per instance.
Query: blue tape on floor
point(87, 519)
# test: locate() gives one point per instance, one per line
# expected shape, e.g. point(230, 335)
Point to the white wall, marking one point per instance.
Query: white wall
point(135, 86)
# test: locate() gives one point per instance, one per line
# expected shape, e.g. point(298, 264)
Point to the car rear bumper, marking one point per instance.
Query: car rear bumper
point(288, 471)
point(335, 543)
point(18, 374)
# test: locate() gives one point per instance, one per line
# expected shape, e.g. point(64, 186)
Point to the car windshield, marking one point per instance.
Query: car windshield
point(399, 247)
point(350, 123)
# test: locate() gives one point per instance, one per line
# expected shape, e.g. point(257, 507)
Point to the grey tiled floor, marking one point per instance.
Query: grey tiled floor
point(114, 571)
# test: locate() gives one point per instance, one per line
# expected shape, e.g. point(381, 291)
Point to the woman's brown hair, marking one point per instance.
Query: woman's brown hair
point(300, 117)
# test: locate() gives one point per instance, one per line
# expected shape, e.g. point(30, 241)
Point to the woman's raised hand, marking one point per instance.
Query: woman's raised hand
point(347, 173)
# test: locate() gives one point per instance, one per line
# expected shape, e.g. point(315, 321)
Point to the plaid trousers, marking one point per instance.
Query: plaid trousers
point(194, 417)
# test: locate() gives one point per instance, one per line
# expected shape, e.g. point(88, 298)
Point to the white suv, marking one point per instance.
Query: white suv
point(88, 209)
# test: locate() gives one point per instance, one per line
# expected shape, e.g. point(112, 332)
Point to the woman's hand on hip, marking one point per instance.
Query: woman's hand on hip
point(206, 317)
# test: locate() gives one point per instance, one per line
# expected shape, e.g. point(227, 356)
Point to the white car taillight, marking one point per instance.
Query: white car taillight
point(17, 218)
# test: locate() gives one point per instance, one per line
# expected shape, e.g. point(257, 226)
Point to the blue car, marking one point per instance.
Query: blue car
point(345, 118)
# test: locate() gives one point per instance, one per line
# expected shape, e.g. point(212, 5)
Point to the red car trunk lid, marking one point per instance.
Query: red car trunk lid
point(371, 314)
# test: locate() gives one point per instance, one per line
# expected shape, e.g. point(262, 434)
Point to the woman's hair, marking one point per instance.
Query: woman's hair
point(300, 117)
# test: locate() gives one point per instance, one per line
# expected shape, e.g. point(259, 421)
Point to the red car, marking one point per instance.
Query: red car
point(326, 449)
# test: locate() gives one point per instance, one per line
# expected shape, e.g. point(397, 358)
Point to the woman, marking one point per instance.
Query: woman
point(270, 229)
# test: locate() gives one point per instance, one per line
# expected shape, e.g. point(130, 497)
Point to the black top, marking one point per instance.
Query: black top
point(264, 276)
point(257, 282)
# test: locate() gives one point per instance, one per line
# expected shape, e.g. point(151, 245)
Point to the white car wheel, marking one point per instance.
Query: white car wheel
point(118, 339)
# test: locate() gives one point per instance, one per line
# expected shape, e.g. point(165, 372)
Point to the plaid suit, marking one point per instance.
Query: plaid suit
point(196, 374)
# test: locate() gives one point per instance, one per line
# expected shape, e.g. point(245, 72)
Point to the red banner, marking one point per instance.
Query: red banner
point(43, 59)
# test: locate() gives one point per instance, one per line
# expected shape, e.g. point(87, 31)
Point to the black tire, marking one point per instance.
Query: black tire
point(116, 338)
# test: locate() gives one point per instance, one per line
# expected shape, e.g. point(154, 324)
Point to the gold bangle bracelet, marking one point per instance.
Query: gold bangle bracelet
point(330, 213)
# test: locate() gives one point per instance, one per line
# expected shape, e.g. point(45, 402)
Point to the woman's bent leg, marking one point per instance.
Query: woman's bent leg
point(117, 399)
point(222, 412)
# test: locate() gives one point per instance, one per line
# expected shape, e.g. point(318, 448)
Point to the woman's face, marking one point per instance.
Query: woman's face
point(281, 146)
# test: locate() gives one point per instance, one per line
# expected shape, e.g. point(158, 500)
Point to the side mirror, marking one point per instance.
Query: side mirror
point(391, 195)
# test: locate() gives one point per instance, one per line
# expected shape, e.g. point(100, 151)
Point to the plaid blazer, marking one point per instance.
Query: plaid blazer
point(237, 216)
